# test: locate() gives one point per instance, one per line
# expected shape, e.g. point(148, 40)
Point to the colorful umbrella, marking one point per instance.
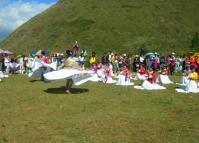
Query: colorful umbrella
point(8, 52)
point(149, 54)
point(45, 52)
point(39, 52)
point(34, 52)
point(5, 52)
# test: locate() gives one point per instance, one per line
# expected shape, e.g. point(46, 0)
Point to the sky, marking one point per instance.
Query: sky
point(14, 13)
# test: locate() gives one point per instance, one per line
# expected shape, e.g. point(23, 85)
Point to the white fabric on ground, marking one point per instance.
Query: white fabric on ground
point(149, 86)
point(94, 78)
point(184, 81)
point(123, 81)
point(1, 74)
point(108, 80)
point(164, 79)
point(191, 87)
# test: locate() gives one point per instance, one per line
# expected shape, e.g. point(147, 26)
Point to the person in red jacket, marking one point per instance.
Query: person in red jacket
point(141, 74)
point(142, 70)
point(151, 76)
point(172, 66)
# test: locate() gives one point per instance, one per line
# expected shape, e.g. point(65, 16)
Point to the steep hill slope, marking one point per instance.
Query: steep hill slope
point(122, 25)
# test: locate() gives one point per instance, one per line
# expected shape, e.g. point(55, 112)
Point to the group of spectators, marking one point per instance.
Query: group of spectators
point(117, 61)
point(173, 62)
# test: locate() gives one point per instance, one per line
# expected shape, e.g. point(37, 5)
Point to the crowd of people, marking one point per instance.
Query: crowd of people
point(77, 66)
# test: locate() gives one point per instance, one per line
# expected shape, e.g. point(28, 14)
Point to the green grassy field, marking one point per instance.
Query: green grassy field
point(35, 112)
point(120, 25)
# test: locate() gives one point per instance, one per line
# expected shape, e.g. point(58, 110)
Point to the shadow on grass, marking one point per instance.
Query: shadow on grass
point(61, 90)
point(35, 80)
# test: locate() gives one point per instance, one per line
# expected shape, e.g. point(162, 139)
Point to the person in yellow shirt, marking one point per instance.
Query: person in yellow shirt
point(191, 85)
point(92, 59)
point(113, 58)
point(194, 76)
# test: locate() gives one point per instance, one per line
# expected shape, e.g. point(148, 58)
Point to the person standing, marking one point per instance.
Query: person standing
point(21, 64)
point(6, 64)
point(75, 49)
point(1, 63)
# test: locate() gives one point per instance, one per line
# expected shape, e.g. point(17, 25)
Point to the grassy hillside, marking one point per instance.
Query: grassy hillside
point(122, 25)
